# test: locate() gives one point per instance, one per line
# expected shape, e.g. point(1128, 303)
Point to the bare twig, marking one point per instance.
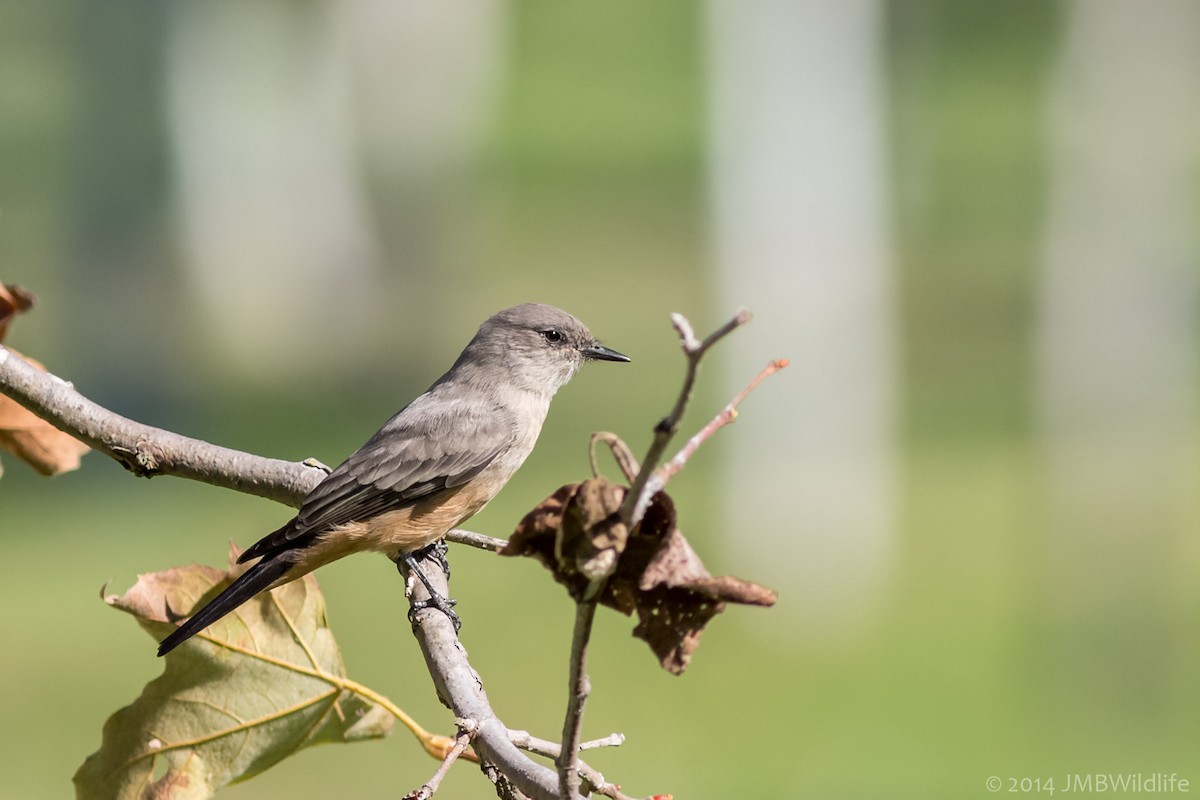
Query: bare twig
point(461, 690)
point(601, 786)
point(612, 740)
point(544, 747)
point(465, 731)
point(694, 349)
point(478, 540)
point(727, 415)
point(580, 688)
point(592, 778)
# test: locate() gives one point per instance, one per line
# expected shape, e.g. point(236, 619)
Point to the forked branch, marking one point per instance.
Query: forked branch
point(647, 479)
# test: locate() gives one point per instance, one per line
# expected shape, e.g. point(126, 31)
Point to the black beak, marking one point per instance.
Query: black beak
point(598, 352)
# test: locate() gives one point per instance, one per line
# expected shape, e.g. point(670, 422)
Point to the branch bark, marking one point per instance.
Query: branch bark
point(461, 690)
point(147, 451)
point(580, 688)
point(648, 481)
point(694, 350)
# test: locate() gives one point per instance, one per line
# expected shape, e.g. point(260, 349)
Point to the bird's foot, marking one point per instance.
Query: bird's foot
point(437, 552)
point(442, 604)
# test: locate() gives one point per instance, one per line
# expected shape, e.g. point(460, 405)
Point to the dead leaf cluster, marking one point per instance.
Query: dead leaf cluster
point(577, 534)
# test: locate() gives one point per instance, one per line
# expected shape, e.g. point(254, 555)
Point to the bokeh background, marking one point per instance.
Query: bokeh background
point(972, 227)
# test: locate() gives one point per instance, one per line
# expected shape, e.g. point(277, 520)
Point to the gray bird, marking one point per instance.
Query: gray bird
point(438, 461)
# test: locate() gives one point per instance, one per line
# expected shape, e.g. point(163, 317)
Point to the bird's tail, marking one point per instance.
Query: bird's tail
point(248, 584)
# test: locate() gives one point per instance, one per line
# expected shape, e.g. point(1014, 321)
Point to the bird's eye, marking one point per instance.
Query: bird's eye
point(552, 336)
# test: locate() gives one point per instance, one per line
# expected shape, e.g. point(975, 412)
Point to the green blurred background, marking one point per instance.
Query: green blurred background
point(972, 227)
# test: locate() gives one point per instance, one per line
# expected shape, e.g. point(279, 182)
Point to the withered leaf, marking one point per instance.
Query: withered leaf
point(592, 535)
point(30, 438)
point(251, 690)
point(658, 575)
point(35, 441)
point(13, 300)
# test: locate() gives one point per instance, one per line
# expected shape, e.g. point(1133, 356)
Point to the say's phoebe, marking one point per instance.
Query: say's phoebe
point(438, 461)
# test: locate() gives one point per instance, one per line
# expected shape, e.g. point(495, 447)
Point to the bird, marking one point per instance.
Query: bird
point(433, 464)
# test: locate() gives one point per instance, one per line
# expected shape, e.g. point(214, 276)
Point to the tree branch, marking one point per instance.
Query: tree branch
point(594, 779)
point(147, 451)
point(466, 731)
point(644, 485)
point(659, 479)
point(580, 688)
point(694, 350)
point(461, 690)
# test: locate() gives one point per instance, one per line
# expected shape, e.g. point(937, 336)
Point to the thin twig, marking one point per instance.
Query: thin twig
point(590, 776)
point(580, 688)
point(466, 728)
point(630, 513)
point(727, 415)
point(544, 747)
point(612, 740)
point(638, 498)
point(478, 540)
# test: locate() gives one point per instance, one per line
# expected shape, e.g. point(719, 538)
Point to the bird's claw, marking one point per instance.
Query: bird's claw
point(436, 552)
point(442, 604)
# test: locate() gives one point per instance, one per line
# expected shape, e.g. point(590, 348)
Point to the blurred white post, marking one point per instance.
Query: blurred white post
point(1117, 346)
point(277, 238)
point(279, 111)
point(802, 238)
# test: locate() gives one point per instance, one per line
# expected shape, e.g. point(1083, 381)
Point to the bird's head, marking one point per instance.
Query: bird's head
point(533, 346)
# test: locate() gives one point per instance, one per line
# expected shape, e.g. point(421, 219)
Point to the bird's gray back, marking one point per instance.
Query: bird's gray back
point(441, 440)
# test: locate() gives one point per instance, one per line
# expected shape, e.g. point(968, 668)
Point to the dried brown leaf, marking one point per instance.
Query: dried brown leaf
point(13, 300)
point(657, 575)
point(35, 441)
point(30, 438)
point(592, 536)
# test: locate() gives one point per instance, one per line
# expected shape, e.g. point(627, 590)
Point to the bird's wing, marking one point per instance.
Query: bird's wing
point(416, 454)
